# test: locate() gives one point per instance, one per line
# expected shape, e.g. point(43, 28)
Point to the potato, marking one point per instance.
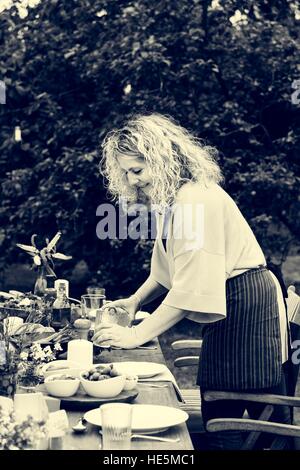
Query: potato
point(101, 377)
point(106, 370)
point(113, 373)
point(95, 376)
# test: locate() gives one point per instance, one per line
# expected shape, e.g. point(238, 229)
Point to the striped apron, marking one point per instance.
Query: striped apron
point(243, 351)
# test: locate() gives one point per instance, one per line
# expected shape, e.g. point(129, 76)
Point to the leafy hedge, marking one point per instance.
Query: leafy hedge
point(75, 69)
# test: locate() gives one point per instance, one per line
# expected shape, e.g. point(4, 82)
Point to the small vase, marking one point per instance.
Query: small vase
point(41, 282)
point(8, 382)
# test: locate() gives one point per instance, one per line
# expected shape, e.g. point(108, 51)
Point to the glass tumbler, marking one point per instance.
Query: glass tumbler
point(116, 420)
point(90, 303)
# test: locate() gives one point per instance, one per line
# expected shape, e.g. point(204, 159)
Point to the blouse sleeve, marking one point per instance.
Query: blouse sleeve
point(199, 281)
point(159, 266)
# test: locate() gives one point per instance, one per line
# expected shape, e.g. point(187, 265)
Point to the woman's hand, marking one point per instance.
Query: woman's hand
point(130, 304)
point(115, 335)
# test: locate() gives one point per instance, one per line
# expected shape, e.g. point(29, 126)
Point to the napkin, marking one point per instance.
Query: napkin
point(165, 376)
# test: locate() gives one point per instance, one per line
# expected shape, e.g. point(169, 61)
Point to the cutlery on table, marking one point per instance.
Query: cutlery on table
point(80, 426)
point(155, 438)
point(153, 385)
point(137, 347)
point(152, 438)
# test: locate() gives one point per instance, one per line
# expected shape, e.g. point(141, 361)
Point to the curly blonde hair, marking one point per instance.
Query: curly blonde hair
point(173, 155)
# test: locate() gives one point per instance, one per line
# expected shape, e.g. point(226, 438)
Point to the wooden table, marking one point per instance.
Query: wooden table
point(91, 440)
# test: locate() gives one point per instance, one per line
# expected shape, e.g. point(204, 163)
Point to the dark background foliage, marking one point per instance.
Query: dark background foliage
point(75, 69)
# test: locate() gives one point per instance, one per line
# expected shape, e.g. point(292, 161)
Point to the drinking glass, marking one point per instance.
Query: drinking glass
point(96, 290)
point(90, 303)
point(114, 315)
point(105, 315)
point(116, 420)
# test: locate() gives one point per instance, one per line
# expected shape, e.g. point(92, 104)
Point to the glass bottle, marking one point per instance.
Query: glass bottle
point(61, 308)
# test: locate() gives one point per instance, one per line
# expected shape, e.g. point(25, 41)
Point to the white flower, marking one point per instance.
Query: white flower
point(57, 347)
point(39, 355)
point(24, 355)
point(47, 350)
point(36, 347)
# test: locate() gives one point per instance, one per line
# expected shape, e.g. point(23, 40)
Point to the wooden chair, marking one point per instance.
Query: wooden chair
point(192, 399)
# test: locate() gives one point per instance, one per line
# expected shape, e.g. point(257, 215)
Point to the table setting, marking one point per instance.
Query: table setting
point(66, 390)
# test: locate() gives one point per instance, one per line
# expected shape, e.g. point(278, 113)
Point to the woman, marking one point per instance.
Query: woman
point(210, 266)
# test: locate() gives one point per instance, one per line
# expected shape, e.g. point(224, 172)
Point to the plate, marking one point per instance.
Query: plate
point(81, 401)
point(146, 418)
point(61, 367)
point(143, 370)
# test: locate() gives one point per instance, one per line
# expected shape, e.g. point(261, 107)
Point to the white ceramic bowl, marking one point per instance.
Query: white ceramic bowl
point(130, 382)
point(108, 388)
point(61, 388)
point(59, 367)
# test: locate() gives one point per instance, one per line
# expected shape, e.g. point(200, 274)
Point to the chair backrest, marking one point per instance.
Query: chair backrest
point(293, 312)
point(184, 361)
point(293, 303)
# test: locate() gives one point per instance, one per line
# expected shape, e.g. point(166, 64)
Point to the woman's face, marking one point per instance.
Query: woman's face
point(137, 173)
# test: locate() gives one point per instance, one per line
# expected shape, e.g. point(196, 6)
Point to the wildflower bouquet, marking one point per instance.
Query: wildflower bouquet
point(31, 361)
point(18, 436)
point(13, 340)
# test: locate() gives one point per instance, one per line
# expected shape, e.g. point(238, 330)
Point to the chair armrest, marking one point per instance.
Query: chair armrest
point(186, 344)
point(256, 397)
point(186, 361)
point(226, 424)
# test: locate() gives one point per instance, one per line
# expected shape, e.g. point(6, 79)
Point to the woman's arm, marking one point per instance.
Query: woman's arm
point(149, 291)
point(163, 318)
point(128, 338)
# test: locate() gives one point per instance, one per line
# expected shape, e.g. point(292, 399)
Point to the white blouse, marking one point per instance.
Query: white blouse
point(208, 241)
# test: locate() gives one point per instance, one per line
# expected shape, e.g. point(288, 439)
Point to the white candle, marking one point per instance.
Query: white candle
point(80, 351)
